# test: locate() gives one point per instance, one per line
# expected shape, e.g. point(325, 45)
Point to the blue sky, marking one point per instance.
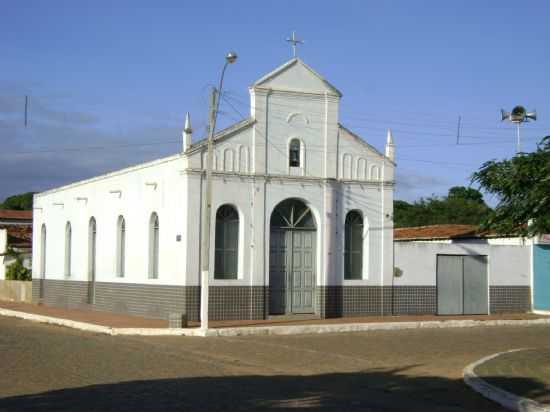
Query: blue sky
point(110, 82)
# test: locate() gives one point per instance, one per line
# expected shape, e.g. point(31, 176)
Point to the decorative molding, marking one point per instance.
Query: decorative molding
point(291, 116)
point(276, 177)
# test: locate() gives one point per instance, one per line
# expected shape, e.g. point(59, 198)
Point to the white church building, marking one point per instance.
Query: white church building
point(301, 219)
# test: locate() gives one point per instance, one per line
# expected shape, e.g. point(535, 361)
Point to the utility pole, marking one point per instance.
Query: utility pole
point(518, 142)
point(207, 204)
point(207, 213)
point(26, 109)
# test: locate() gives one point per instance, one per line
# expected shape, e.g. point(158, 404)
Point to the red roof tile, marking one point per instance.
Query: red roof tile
point(435, 232)
point(16, 214)
point(19, 235)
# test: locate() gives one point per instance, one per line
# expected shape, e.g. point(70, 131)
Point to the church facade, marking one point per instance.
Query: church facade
point(301, 219)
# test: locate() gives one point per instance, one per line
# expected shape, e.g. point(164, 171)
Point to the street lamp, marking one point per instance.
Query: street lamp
point(215, 97)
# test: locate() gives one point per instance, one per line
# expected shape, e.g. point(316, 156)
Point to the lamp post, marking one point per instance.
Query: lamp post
point(207, 204)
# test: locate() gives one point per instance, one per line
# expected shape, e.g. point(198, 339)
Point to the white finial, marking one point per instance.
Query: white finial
point(390, 147)
point(294, 42)
point(187, 132)
point(389, 139)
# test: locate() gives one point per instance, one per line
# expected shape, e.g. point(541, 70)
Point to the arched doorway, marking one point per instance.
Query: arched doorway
point(292, 259)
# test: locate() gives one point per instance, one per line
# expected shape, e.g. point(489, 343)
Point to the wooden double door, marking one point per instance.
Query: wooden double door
point(292, 271)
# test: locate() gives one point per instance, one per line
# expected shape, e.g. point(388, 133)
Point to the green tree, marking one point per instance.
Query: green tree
point(462, 205)
point(16, 270)
point(466, 193)
point(21, 201)
point(522, 187)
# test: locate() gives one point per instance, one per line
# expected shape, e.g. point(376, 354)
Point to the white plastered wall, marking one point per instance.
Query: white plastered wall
point(508, 261)
point(284, 108)
point(251, 172)
point(134, 193)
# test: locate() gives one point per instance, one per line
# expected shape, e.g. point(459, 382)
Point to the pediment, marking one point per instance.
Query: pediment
point(297, 76)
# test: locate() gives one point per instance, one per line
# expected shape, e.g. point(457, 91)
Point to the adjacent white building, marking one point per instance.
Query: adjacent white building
point(301, 222)
point(456, 270)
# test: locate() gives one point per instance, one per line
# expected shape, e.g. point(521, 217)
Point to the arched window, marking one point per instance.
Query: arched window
point(154, 246)
point(68, 246)
point(294, 153)
point(227, 243)
point(42, 260)
point(92, 248)
point(347, 161)
point(374, 173)
point(121, 246)
point(228, 160)
point(43, 251)
point(353, 248)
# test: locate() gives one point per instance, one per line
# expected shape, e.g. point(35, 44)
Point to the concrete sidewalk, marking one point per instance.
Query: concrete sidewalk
point(518, 379)
point(115, 324)
point(99, 318)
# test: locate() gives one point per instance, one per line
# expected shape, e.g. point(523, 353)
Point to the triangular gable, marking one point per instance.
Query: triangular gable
point(295, 75)
point(223, 134)
point(358, 139)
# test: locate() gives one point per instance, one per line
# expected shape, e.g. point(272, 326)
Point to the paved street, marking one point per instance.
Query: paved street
point(52, 368)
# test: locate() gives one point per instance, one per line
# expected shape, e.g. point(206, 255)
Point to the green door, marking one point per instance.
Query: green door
point(292, 259)
point(277, 272)
point(303, 271)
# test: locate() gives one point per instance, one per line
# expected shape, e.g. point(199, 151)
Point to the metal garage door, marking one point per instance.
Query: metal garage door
point(462, 285)
point(449, 285)
point(476, 298)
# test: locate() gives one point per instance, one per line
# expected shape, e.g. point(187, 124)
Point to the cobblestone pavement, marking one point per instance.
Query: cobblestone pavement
point(45, 367)
point(525, 373)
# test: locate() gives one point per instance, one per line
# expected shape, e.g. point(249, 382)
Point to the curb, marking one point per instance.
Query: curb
point(498, 395)
point(270, 330)
point(366, 327)
point(106, 330)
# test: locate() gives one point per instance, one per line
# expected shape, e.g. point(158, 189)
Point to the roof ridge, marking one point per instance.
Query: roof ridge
point(224, 132)
point(364, 142)
point(283, 67)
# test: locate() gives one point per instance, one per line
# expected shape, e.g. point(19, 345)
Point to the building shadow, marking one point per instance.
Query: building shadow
point(373, 390)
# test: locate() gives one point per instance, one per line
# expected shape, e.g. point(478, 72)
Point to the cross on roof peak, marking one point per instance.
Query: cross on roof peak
point(295, 41)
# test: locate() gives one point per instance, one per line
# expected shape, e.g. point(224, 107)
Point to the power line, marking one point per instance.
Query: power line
point(228, 99)
point(322, 150)
point(371, 124)
point(400, 113)
point(103, 147)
